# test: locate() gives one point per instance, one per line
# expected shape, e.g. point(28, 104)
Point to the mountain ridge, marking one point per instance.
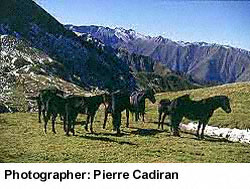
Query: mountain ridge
point(204, 62)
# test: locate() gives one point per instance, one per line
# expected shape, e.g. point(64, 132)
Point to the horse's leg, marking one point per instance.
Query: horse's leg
point(136, 116)
point(39, 111)
point(53, 122)
point(159, 120)
point(46, 119)
point(73, 127)
point(43, 112)
point(91, 122)
point(64, 123)
point(175, 121)
point(71, 124)
point(87, 122)
point(163, 119)
point(116, 121)
point(67, 120)
point(143, 114)
point(203, 128)
point(68, 127)
point(198, 129)
point(127, 115)
point(105, 118)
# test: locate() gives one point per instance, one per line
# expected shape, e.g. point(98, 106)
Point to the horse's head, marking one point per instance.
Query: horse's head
point(150, 94)
point(225, 104)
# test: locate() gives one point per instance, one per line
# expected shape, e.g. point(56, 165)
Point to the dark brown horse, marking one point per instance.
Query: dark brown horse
point(91, 106)
point(137, 102)
point(200, 111)
point(54, 105)
point(43, 97)
point(73, 106)
point(82, 105)
point(122, 100)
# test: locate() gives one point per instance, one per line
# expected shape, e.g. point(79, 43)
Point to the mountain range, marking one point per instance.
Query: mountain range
point(202, 62)
point(37, 51)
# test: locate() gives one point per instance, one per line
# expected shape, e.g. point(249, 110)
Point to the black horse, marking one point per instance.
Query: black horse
point(137, 103)
point(43, 97)
point(121, 100)
point(196, 110)
point(73, 106)
point(82, 105)
point(90, 108)
point(54, 105)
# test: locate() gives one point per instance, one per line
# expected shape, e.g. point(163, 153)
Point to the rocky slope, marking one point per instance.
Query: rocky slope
point(25, 20)
point(37, 51)
point(204, 63)
point(151, 73)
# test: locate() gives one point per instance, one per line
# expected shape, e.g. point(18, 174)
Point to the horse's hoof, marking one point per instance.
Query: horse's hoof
point(177, 134)
point(118, 134)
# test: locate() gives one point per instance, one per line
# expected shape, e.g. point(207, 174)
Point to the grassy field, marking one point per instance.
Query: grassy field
point(23, 140)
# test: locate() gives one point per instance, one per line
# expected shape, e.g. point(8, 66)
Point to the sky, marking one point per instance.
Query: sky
point(223, 22)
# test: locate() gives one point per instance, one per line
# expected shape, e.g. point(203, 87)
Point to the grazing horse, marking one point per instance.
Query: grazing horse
point(43, 97)
point(163, 108)
point(200, 111)
point(120, 101)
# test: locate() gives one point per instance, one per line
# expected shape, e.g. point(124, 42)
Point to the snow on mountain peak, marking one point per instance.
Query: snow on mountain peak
point(127, 35)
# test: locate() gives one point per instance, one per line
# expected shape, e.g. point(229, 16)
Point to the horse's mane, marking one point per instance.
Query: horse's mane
point(216, 98)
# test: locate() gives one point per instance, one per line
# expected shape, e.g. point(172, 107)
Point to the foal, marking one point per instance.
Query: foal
point(200, 111)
